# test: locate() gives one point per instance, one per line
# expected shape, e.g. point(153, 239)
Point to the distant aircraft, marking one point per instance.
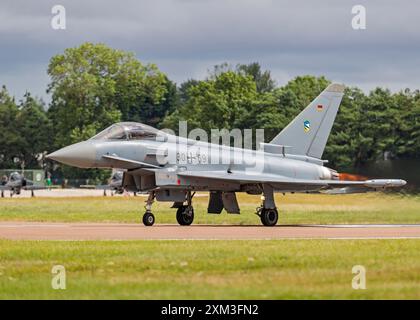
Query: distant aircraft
point(115, 183)
point(172, 168)
point(17, 182)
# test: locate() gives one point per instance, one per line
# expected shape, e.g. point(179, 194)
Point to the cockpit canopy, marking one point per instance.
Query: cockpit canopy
point(15, 176)
point(129, 131)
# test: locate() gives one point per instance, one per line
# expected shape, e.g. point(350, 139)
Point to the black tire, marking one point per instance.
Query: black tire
point(148, 219)
point(185, 215)
point(269, 217)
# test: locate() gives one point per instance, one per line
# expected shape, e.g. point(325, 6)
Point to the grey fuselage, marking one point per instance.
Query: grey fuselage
point(172, 154)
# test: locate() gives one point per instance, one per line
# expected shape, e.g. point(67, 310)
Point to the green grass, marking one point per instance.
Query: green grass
point(293, 209)
point(308, 269)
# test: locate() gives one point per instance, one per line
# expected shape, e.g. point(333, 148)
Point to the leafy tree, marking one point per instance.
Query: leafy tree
point(407, 119)
point(348, 144)
point(94, 86)
point(218, 102)
point(379, 124)
point(10, 139)
point(142, 91)
point(263, 80)
point(305, 88)
point(35, 126)
point(184, 89)
point(25, 131)
point(153, 113)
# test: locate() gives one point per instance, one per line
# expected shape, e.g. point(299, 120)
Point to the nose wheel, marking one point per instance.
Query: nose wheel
point(148, 219)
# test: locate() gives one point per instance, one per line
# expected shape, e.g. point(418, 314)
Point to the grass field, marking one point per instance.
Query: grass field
point(279, 269)
point(293, 209)
point(275, 269)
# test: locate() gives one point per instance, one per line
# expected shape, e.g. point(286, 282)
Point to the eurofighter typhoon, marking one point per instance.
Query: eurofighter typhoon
point(172, 168)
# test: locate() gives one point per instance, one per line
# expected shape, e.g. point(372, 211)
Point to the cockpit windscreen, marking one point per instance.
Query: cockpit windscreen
point(128, 131)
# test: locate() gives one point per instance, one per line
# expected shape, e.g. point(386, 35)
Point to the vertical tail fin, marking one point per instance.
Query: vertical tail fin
point(308, 133)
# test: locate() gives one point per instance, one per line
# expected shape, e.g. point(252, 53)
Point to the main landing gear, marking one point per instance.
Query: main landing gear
point(267, 211)
point(185, 213)
point(269, 217)
point(148, 217)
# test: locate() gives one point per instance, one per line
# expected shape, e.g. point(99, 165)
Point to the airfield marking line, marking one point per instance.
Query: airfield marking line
point(205, 239)
point(359, 225)
point(130, 231)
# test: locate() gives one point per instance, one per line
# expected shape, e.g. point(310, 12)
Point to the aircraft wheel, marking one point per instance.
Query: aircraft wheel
point(269, 217)
point(185, 215)
point(148, 219)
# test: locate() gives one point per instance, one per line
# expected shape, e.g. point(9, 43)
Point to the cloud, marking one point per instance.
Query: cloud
point(185, 38)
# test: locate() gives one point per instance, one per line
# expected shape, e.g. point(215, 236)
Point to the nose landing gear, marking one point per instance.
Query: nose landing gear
point(148, 217)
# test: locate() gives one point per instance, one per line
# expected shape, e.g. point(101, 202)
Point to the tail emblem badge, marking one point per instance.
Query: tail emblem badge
point(306, 126)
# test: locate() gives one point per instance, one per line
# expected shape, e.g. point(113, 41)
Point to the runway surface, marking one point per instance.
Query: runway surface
point(113, 231)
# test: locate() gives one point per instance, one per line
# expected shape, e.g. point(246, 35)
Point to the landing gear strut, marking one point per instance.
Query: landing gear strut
point(185, 214)
point(148, 217)
point(267, 211)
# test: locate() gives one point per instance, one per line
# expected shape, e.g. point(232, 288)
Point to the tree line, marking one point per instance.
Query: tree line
point(93, 86)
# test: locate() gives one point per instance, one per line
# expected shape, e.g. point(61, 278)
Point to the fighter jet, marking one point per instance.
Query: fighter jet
point(17, 182)
point(172, 168)
point(115, 184)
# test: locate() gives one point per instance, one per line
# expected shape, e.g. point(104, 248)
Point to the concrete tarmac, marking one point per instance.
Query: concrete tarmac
point(125, 231)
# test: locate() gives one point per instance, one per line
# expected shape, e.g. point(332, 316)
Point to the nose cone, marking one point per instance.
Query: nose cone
point(82, 155)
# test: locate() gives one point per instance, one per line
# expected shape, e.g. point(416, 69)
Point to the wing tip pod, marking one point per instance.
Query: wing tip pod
point(385, 183)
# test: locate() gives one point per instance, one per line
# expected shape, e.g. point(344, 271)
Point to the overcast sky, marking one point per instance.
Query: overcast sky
point(185, 38)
